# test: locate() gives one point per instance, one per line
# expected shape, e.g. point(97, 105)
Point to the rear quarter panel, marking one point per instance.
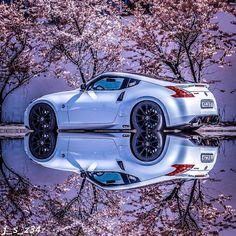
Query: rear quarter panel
point(145, 91)
point(177, 111)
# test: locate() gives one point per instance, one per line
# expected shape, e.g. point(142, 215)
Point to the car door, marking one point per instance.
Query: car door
point(92, 151)
point(99, 103)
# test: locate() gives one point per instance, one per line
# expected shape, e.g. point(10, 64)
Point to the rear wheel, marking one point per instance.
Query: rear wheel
point(147, 146)
point(42, 117)
point(147, 116)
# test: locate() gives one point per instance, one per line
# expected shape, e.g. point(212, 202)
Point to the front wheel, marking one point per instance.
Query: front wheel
point(42, 144)
point(147, 116)
point(42, 118)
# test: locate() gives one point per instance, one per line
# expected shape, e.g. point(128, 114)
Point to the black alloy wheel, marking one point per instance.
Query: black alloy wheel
point(42, 145)
point(147, 146)
point(42, 118)
point(148, 116)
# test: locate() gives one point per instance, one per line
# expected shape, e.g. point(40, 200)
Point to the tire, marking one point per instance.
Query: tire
point(147, 116)
point(42, 145)
point(42, 118)
point(147, 147)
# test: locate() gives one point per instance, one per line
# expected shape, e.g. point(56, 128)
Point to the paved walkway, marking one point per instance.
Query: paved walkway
point(12, 130)
point(19, 130)
point(218, 130)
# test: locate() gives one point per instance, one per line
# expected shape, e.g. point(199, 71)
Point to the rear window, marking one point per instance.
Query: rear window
point(133, 82)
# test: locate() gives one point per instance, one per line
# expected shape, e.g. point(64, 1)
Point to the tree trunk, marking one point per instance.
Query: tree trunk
point(1, 103)
point(2, 99)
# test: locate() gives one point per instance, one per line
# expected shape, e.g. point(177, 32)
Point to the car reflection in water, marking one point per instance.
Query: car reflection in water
point(123, 161)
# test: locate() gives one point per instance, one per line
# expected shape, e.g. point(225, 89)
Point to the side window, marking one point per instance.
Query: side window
point(108, 83)
point(107, 178)
point(112, 178)
point(133, 82)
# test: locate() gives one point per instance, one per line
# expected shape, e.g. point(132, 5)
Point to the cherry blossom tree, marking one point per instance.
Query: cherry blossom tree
point(69, 208)
point(77, 39)
point(83, 35)
point(76, 207)
point(20, 60)
point(179, 39)
point(48, 210)
point(177, 208)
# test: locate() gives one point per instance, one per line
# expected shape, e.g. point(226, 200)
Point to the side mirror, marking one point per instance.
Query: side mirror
point(83, 87)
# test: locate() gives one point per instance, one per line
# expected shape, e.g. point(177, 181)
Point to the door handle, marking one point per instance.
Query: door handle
point(121, 96)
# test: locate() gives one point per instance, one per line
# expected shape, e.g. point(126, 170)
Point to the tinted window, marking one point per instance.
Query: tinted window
point(112, 178)
point(108, 83)
point(108, 177)
point(133, 82)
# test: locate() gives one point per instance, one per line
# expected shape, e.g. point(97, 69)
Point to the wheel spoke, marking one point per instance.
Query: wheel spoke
point(146, 107)
point(146, 154)
point(42, 117)
point(154, 114)
point(142, 110)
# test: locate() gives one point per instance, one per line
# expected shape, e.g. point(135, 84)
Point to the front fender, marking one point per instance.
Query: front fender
point(60, 112)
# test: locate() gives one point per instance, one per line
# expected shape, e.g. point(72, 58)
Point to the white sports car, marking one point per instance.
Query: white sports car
point(123, 161)
point(116, 100)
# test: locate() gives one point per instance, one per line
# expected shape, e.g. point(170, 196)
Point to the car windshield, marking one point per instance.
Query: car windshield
point(111, 178)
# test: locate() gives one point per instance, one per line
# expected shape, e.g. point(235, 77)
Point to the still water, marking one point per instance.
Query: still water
point(118, 184)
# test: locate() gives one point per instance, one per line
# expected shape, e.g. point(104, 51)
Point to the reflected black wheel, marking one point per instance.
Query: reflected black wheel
point(147, 146)
point(42, 144)
point(42, 117)
point(147, 115)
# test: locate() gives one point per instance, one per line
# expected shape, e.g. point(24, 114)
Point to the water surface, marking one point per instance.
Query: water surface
point(67, 194)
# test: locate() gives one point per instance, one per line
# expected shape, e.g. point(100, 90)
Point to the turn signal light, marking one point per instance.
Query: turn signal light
point(180, 168)
point(180, 93)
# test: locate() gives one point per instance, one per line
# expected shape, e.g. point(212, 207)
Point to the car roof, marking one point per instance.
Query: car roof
point(150, 79)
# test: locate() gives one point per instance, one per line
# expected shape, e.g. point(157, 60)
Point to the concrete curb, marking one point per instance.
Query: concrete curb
point(218, 131)
point(12, 130)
